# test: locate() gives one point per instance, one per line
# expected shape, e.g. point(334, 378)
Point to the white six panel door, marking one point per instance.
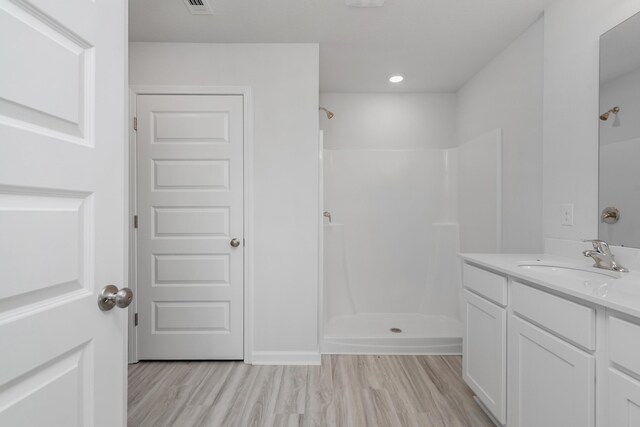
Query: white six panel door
point(62, 145)
point(190, 208)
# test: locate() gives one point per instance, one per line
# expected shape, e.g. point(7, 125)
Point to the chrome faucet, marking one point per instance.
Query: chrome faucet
point(601, 254)
point(327, 215)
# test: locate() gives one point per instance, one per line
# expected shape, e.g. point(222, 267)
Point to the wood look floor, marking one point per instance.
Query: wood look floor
point(353, 391)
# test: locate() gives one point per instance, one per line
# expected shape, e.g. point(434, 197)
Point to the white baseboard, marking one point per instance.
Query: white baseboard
point(285, 358)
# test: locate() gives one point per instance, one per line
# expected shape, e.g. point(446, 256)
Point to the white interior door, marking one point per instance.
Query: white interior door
point(189, 152)
point(62, 144)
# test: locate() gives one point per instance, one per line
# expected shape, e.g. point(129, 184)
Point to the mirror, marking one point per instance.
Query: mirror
point(619, 184)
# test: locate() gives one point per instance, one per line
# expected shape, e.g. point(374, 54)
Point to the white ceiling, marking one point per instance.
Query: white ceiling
point(437, 44)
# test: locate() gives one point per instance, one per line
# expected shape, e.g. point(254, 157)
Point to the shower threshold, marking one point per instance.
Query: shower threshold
point(392, 333)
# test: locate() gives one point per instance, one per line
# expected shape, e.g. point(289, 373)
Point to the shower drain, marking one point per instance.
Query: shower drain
point(396, 330)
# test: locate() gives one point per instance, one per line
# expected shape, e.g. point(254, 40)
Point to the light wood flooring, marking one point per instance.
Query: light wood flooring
point(353, 391)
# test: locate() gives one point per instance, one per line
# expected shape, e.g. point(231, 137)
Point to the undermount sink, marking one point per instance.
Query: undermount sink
point(568, 270)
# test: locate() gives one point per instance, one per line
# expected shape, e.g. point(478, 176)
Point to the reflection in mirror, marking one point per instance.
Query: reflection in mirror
point(619, 188)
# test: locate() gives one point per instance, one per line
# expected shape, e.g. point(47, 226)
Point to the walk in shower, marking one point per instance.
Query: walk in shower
point(391, 276)
point(391, 282)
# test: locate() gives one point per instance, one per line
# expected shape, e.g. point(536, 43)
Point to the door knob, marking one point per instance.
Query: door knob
point(110, 296)
point(235, 243)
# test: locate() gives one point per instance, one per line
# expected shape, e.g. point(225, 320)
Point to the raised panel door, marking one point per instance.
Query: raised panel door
point(189, 152)
point(484, 352)
point(551, 382)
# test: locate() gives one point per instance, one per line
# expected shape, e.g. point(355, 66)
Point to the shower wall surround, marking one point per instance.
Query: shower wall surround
point(398, 209)
point(391, 280)
point(387, 201)
point(384, 181)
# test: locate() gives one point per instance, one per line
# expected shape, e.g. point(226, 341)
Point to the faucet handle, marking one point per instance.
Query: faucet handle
point(599, 245)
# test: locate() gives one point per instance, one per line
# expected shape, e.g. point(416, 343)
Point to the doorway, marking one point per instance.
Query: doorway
point(189, 226)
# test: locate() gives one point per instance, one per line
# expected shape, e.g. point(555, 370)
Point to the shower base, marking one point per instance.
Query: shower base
point(370, 333)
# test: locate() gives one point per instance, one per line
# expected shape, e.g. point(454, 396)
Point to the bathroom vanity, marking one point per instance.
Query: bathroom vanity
point(550, 341)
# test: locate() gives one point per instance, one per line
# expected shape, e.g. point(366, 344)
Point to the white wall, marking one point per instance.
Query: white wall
point(507, 94)
point(284, 79)
point(570, 137)
point(389, 120)
point(478, 181)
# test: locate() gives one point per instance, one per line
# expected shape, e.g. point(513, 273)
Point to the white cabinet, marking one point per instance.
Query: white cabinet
point(624, 400)
point(624, 344)
point(531, 354)
point(624, 355)
point(484, 349)
point(551, 382)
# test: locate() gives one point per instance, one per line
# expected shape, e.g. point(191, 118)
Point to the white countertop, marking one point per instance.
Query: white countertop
point(621, 294)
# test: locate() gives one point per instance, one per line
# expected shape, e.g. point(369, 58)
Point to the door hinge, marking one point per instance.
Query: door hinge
point(135, 221)
point(135, 123)
point(135, 319)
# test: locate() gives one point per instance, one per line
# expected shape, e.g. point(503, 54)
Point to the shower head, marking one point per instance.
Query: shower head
point(327, 112)
point(605, 116)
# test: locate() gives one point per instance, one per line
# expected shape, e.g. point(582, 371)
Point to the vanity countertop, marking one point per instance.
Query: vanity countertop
point(621, 293)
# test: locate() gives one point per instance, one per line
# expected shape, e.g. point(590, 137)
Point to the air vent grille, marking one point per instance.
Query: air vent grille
point(198, 7)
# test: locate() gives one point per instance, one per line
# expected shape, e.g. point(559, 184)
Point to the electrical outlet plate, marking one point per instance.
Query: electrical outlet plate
point(566, 214)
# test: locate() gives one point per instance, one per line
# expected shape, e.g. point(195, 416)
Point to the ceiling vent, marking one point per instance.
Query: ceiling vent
point(198, 7)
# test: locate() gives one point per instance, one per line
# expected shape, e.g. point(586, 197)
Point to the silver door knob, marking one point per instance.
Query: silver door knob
point(235, 243)
point(110, 297)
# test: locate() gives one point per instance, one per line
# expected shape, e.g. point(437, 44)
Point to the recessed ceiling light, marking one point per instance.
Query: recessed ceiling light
point(396, 78)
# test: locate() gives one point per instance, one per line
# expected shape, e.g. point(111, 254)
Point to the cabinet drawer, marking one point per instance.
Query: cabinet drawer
point(565, 318)
point(490, 285)
point(624, 344)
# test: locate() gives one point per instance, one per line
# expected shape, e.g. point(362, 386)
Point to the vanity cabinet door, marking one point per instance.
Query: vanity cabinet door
point(624, 400)
point(551, 382)
point(484, 353)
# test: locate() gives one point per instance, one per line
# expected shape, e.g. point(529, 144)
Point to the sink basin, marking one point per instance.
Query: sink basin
point(568, 270)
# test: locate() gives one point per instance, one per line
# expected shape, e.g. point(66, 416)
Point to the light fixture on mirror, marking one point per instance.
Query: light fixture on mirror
point(396, 78)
